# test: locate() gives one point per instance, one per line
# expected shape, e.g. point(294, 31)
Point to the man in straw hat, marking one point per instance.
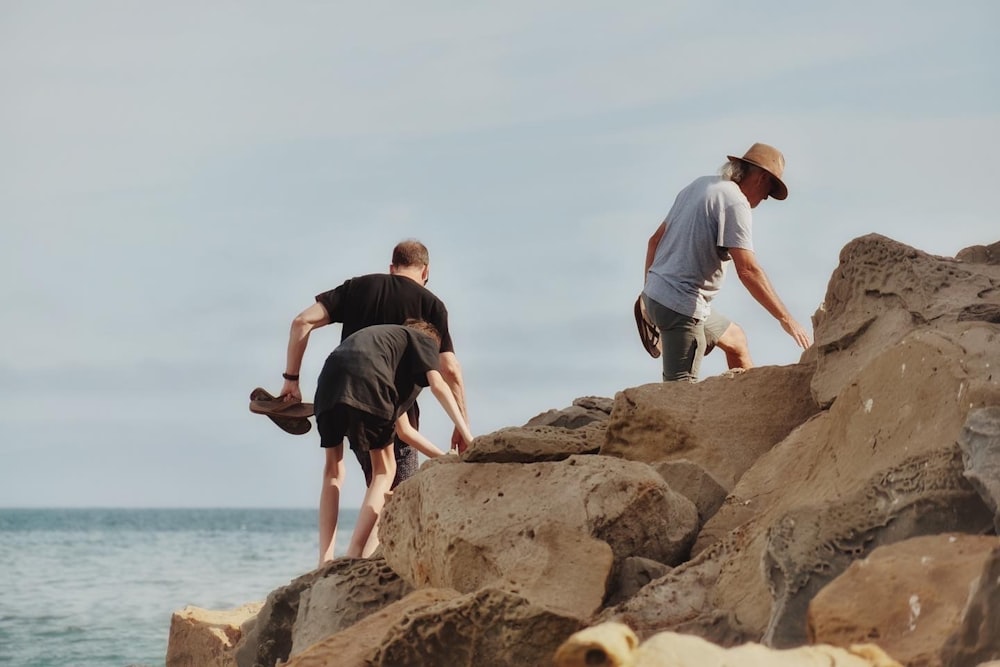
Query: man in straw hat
point(686, 259)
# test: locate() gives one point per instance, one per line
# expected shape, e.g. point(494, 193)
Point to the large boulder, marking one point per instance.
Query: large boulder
point(269, 639)
point(548, 531)
point(881, 291)
point(977, 639)
point(207, 638)
point(909, 595)
point(980, 443)
point(881, 465)
point(530, 444)
point(722, 424)
point(584, 411)
point(429, 628)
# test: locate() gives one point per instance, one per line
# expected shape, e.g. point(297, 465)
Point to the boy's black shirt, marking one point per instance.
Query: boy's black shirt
point(379, 370)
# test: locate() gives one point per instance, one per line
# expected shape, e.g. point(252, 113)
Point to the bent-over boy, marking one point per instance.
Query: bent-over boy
point(364, 391)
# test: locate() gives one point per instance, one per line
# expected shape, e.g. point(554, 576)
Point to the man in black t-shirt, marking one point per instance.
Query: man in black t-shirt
point(366, 386)
point(382, 299)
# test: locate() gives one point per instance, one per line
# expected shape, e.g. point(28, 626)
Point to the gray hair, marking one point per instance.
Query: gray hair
point(736, 170)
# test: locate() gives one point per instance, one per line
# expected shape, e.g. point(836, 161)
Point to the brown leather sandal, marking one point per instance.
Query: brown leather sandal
point(290, 417)
point(648, 333)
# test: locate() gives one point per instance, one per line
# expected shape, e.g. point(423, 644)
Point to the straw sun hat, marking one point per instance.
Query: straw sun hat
point(770, 160)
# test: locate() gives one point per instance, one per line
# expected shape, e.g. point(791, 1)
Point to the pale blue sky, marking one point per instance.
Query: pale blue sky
point(178, 180)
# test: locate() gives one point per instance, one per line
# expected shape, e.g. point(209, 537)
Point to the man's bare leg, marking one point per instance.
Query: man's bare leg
point(734, 343)
point(383, 471)
point(329, 501)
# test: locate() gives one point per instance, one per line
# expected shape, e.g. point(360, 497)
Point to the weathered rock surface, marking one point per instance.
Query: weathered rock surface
point(584, 411)
point(488, 628)
point(908, 596)
point(615, 645)
point(269, 638)
point(722, 424)
point(881, 291)
point(548, 531)
point(530, 444)
point(348, 592)
point(631, 575)
point(206, 638)
point(881, 465)
point(977, 640)
point(980, 443)
point(694, 483)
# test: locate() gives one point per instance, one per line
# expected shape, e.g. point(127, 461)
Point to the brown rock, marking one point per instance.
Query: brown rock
point(980, 443)
point(356, 645)
point(694, 483)
point(347, 593)
point(584, 411)
point(881, 291)
point(880, 466)
point(529, 444)
point(908, 596)
point(977, 640)
point(206, 638)
point(722, 424)
point(548, 531)
point(270, 638)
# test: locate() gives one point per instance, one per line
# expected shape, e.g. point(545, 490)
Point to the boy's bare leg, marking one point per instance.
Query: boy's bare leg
point(383, 471)
point(734, 343)
point(329, 501)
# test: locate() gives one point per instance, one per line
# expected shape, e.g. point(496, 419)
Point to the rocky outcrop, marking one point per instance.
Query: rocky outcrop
point(883, 290)
point(720, 511)
point(207, 638)
point(908, 596)
point(548, 531)
point(488, 628)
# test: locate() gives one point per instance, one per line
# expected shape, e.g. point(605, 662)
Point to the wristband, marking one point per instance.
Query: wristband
point(290, 377)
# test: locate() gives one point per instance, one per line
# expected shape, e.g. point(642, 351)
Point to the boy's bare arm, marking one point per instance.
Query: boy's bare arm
point(413, 437)
point(442, 392)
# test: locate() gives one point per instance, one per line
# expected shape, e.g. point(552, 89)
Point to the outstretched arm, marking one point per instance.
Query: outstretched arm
point(442, 392)
point(757, 283)
point(413, 437)
point(451, 371)
point(311, 318)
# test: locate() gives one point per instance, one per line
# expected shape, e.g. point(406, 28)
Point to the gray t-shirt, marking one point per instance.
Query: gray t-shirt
point(708, 217)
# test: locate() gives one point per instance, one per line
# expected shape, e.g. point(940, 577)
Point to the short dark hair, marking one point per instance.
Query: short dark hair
point(410, 252)
point(424, 327)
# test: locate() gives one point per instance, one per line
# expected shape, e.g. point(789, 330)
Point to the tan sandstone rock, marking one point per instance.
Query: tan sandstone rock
point(881, 465)
point(431, 628)
point(530, 444)
point(206, 638)
point(615, 645)
point(548, 531)
point(722, 424)
point(881, 291)
point(908, 596)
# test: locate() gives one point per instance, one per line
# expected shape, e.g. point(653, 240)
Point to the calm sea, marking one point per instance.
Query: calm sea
point(96, 587)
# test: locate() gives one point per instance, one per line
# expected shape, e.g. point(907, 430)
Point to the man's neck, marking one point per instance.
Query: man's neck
point(416, 274)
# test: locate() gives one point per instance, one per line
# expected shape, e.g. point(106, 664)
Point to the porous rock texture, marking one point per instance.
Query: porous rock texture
point(270, 637)
point(722, 424)
point(883, 432)
point(548, 531)
point(487, 628)
point(908, 596)
point(207, 638)
point(881, 291)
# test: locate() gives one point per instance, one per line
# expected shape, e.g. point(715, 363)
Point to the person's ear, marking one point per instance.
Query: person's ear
point(425, 275)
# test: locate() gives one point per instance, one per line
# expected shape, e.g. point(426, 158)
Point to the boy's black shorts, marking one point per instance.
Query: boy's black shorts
point(365, 431)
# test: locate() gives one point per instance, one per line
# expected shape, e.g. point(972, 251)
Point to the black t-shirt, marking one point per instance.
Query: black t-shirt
point(379, 370)
point(383, 298)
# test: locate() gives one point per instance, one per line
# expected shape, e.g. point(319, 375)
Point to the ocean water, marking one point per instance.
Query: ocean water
point(97, 587)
